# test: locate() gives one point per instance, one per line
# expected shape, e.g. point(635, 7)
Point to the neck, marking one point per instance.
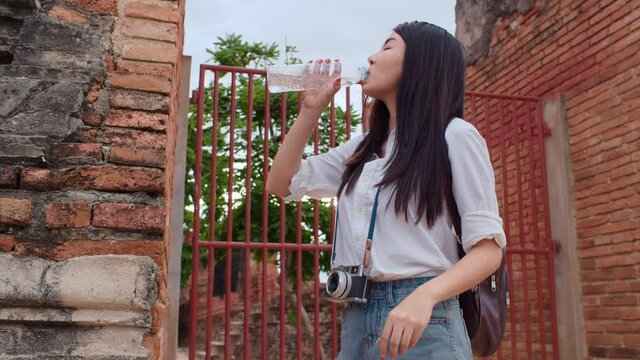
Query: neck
point(391, 106)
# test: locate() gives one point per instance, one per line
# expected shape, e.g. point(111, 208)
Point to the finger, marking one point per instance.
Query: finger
point(336, 83)
point(317, 66)
point(406, 340)
point(337, 68)
point(383, 341)
point(307, 67)
point(415, 336)
point(394, 341)
point(325, 67)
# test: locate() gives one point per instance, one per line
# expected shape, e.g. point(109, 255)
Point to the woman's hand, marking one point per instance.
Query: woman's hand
point(405, 324)
point(321, 86)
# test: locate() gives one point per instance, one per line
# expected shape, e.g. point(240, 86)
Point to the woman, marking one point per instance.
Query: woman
point(418, 150)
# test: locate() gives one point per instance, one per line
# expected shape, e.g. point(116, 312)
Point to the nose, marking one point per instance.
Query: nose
point(370, 60)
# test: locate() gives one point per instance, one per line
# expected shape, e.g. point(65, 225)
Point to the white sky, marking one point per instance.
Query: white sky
point(350, 30)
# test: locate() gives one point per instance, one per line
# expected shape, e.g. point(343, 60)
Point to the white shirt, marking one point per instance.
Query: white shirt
point(402, 249)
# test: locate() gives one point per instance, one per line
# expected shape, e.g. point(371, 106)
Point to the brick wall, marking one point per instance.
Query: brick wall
point(589, 53)
point(87, 144)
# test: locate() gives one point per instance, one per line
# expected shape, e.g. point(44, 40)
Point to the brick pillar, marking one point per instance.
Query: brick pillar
point(89, 126)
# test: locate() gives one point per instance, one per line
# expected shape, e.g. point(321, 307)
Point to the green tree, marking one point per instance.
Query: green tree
point(234, 51)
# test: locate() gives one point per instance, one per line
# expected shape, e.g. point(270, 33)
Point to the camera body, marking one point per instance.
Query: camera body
point(347, 284)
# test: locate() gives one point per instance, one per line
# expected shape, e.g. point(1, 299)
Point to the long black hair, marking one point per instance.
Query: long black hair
point(430, 94)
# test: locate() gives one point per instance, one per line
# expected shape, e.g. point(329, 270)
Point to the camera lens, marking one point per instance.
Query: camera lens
point(332, 282)
point(338, 284)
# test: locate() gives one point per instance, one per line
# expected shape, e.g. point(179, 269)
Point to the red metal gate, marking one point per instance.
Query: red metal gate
point(259, 321)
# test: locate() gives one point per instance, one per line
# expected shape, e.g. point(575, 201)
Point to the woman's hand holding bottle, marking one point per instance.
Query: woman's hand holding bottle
point(321, 86)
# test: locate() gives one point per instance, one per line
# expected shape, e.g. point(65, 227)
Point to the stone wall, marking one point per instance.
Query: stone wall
point(582, 59)
point(88, 133)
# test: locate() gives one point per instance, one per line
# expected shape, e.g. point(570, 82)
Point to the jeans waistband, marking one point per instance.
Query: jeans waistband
point(394, 289)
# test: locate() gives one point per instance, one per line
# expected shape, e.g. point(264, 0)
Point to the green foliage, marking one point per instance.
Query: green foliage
point(216, 220)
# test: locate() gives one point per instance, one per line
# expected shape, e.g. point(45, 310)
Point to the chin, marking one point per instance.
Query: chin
point(368, 90)
point(371, 92)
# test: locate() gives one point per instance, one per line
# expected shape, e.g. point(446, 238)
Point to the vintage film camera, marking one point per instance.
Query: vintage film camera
point(347, 284)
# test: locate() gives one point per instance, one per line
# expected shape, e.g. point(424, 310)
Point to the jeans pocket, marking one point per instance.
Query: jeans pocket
point(346, 309)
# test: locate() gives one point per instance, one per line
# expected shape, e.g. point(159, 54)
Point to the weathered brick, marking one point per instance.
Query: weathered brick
point(15, 211)
point(7, 242)
point(62, 12)
point(138, 100)
point(129, 155)
point(632, 340)
point(153, 342)
point(136, 119)
point(158, 316)
point(145, 68)
point(91, 118)
point(129, 217)
point(103, 7)
point(150, 50)
point(72, 215)
point(132, 137)
point(162, 11)
point(108, 178)
point(147, 29)
point(141, 82)
point(74, 248)
point(86, 135)
point(94, 90)
point(8, 177)
point(65, 150)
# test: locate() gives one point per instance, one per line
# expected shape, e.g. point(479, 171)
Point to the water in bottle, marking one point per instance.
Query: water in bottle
point(298, 77)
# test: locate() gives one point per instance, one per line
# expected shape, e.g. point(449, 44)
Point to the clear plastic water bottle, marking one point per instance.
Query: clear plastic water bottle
point(298, 77)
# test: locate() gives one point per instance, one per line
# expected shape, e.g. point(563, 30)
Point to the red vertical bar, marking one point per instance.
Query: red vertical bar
point(299, 272)
point(283, 253)
point(534, 209)
point(247, 228)
point(550, 251)
point(265, 220)
point(212, 217)
point(523, 255)
point(332, 140)
point(227, 296)
point(474, 111)
point(299, 282)
point(196, 226)
point(503, 158)
point(316, 237)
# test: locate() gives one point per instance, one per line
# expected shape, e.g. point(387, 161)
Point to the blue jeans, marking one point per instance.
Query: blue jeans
point(444, 338)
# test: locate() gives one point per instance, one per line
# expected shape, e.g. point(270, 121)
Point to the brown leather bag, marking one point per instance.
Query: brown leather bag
point(485, 306)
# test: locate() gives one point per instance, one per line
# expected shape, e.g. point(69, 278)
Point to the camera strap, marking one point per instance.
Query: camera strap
point(372, 225)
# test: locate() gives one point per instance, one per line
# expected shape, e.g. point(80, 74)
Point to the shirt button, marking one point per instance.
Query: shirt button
point(359, 208)
point(357, 237)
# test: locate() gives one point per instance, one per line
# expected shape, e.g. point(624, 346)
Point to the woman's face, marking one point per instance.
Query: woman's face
point(385, 68)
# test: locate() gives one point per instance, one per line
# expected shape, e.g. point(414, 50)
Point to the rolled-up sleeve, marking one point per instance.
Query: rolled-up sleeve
point(473, 185)
point(320, 175)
